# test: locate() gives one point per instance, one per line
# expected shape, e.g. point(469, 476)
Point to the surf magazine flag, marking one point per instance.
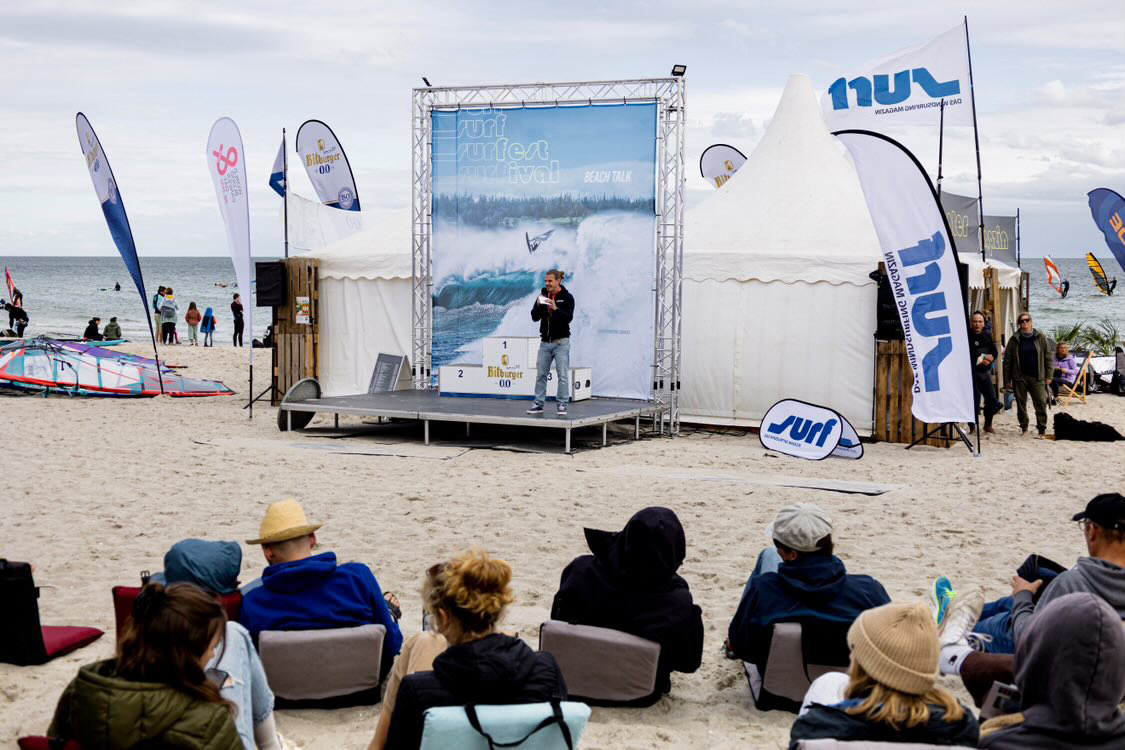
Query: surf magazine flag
point(113, 207)
point(226, 163)
point(963, 218)
point(804, 430)
point(1108, 210)
point(905, 88)
point(922, 268)
point(327, 166)
point(718, 163)
point(519, 191)
point(277, 174)
point(1000, 239)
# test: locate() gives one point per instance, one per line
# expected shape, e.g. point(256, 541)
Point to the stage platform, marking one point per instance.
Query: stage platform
point(428, 406)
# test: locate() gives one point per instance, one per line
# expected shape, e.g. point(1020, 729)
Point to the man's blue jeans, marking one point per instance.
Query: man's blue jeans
point(560, 353)
point(996, 621)
point(768, 562)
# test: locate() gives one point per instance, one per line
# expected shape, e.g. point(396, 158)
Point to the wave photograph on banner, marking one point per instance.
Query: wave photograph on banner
point(519, 192)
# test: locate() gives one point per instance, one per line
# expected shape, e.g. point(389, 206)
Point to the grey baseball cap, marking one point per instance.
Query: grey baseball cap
point(800, 526)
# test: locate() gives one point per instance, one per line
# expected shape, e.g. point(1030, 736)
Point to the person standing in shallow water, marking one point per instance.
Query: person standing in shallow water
point(239, 323)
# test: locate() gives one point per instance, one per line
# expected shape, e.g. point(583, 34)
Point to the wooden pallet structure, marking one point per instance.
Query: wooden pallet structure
point(296, 352)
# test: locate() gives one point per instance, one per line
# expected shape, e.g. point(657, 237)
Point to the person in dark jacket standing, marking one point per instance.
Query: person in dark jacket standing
point(891, 694)
point(156, 692)
point(982, 349)
point(1070, 670)
point(466, 597)
point(799, 580)
point(17, 318)
point(1028, 365)
point(554, 310)
point(239, 323)
point(629, 583)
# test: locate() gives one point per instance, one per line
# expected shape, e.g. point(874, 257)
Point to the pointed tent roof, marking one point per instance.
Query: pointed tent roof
point(794, 212)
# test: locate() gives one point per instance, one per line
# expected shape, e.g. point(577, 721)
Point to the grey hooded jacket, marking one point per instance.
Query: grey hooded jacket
point(1090, 574)
point(1070, 669)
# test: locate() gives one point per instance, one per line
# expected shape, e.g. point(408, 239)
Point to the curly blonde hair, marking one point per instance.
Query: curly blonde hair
point(472, 587)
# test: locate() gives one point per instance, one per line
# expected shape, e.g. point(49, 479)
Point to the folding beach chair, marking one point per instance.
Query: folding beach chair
point(1071, 391)
point(124, 596)
point(799, 653)
point(603, 667)
point(328, 668)
point(557, 725)
point(23, 640)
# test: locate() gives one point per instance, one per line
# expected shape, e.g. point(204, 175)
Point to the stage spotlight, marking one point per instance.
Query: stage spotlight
point(426, 81)
point(678, 71)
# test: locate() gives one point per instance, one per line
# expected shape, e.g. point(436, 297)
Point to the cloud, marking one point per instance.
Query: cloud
point(735, 125)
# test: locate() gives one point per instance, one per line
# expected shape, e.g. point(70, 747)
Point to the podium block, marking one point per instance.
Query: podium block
point(511, 353)
point(498, 382)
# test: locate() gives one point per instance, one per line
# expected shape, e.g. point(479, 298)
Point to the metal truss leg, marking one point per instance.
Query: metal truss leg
point(426, 430)
point(605, 431)
point(288, 420)
point(468, 425)
point(568, 440)
point(337, 419)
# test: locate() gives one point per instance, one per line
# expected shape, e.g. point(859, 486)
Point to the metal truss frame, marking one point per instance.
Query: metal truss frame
point(669, 95)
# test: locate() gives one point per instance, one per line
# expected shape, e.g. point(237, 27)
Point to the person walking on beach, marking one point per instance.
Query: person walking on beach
point(236, 311)
point(192, 319)
point(982, 349)
point(208, 327)
point(91, 332)
point(168, 311)
point(112, 330)
point(553, 309)
point(17, 318)
point(1028, 364)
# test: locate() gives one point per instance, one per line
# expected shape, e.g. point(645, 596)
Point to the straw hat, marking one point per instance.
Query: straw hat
point(284, 520)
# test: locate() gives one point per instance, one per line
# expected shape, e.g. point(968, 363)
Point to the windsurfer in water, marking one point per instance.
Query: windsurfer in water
point(1065, 287)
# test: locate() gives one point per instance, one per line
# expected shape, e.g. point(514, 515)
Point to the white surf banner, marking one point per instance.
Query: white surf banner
point(849, 445)
point(906, 88)
point(922, 268)
point(800, 429)
point(227, 166)
point(327, 166)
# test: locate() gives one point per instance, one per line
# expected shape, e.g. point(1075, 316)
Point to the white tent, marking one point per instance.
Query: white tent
point(1008, 281)
point(777, 302)
point(365, 289)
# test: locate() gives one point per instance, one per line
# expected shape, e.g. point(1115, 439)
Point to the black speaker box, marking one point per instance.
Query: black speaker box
point(270, 276)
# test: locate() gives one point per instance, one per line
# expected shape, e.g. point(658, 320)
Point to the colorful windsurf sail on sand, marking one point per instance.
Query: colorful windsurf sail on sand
point(74, 369)
point(1054, 276)
point(1098, 273)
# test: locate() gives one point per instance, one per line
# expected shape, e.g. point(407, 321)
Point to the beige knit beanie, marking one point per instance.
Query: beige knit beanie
point(897, 644)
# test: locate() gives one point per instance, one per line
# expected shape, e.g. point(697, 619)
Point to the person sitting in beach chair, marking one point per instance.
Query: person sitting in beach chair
point(629, 583)
point(1066, 369)
point(890, 693)
point(466, 597)
point(799, 579)
point(302, 591)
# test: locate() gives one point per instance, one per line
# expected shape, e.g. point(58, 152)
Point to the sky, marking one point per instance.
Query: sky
point(153, 76)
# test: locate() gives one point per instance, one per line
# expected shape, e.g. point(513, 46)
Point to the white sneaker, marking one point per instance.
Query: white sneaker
point(957, 626)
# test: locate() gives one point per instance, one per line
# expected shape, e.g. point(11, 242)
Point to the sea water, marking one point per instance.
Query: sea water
point(1083, 304)
point(61, 294)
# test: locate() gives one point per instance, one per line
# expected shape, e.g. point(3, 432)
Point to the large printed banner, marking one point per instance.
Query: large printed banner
point(327, 166)
point(1108, 210)
point(964, 222)
point(520, 191)
point(906, 88)
point(922, 268)
point(226, 163)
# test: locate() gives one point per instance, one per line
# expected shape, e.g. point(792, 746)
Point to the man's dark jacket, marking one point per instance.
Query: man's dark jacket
point(554, 324)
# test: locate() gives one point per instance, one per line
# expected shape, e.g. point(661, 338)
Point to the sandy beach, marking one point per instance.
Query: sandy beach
point(97, 490)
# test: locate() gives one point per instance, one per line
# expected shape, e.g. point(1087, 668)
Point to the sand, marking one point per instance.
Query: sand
point(97, 490)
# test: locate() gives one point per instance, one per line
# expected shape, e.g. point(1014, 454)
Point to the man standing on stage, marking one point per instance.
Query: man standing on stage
point(554, 309)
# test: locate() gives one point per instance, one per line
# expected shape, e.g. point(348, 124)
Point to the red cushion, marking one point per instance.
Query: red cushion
point(44, 743)
point(61, 639)
point(124, 596)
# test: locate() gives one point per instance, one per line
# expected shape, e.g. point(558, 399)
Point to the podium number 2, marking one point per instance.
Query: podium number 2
point(460, 373)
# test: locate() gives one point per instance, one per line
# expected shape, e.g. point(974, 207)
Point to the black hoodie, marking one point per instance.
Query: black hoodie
point(630, 584)
point(496, 669)
point(1070, 669)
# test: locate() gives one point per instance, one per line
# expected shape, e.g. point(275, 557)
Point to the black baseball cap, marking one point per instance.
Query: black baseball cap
point(1107, 511)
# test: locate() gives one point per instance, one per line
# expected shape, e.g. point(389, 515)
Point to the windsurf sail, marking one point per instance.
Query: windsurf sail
point(1054, 276)
point(533, 243)
point(11, 288)
point(74, 369)
point(1098, 273)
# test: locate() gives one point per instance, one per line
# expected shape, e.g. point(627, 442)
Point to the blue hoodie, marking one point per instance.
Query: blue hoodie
point(207, 325)
point(316, 593)
point(811, 588)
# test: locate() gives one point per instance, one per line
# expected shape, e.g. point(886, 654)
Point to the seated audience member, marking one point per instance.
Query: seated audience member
point(892, 693)
point(112, 330)
point(1066, 369)
point(91, 332)
point(156, 693)
point(467, 596)
point(630, 584)
point(1070, 671)
point(214, 567)
point(1001, 622)
point(303, 591)
point(798, 580)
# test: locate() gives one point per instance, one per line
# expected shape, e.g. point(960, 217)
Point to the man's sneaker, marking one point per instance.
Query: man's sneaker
point(561, 410)
point(961, 618)
point(535, 409)
point(941, 599)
